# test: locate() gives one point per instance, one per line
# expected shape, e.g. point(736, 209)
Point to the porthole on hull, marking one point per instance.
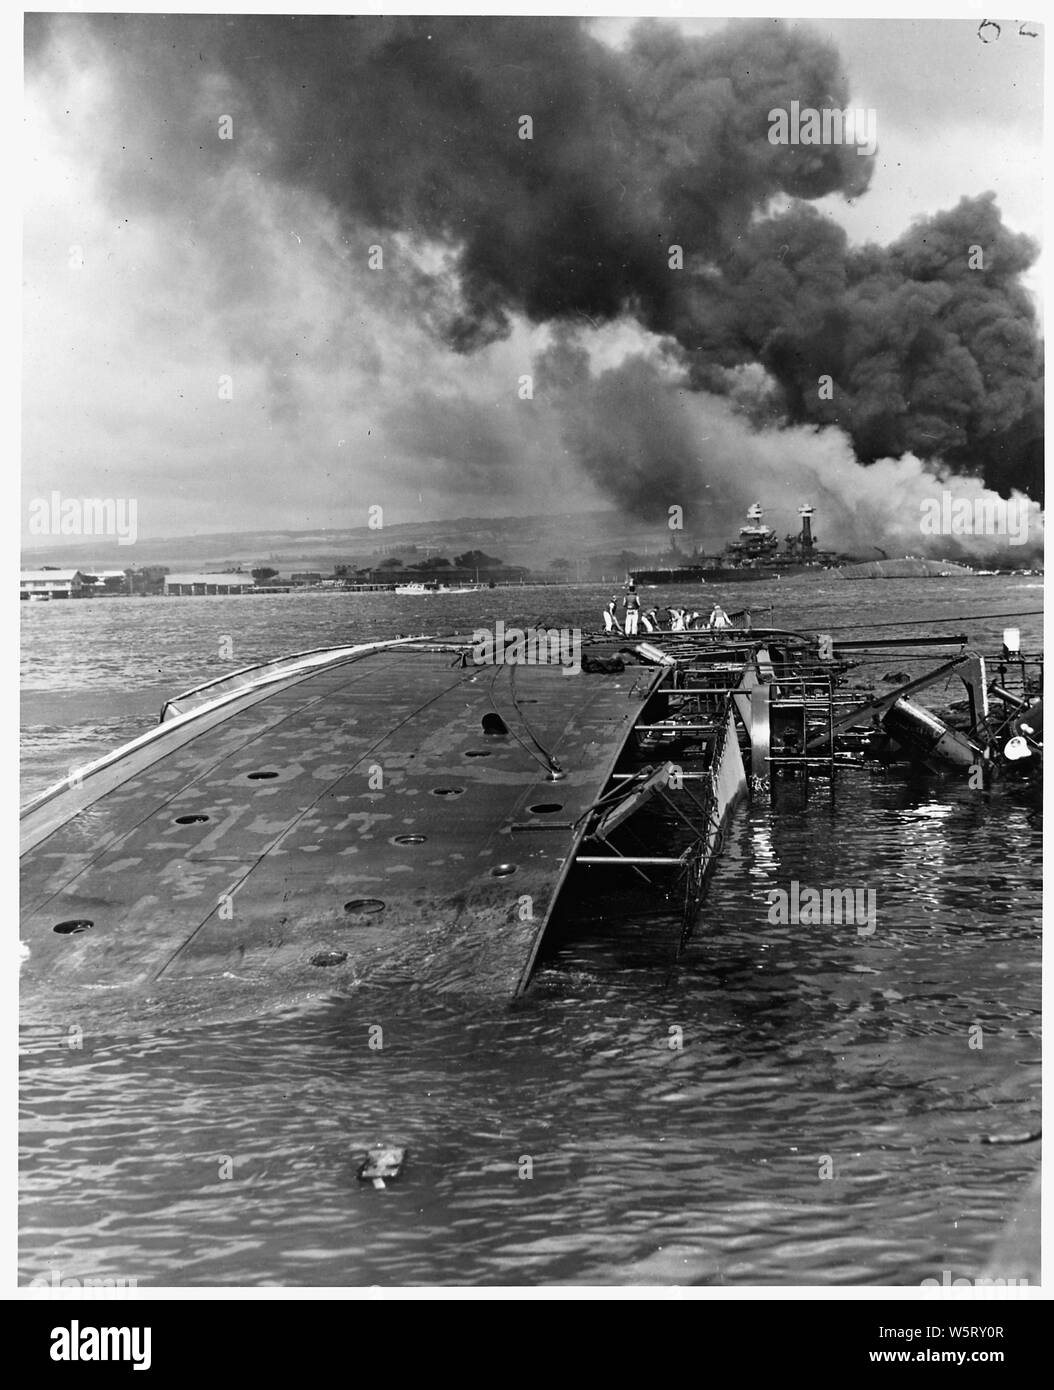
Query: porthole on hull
point(364, 907)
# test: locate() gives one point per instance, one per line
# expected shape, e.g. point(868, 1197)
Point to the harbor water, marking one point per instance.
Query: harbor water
point(776, 1105)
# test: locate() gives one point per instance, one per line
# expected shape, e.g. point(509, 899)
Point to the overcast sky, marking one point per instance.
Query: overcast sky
point(144, 288)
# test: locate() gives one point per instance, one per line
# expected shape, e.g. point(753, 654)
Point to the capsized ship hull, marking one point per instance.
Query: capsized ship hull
point(345, 817)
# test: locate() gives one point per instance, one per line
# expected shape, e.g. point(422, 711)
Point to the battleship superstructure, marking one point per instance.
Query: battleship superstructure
point(754, 554)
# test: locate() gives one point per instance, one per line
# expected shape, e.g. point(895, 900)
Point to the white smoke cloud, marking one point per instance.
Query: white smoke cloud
point(654, 444)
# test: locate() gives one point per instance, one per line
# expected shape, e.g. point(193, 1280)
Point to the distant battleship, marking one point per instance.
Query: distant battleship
point(754, 555)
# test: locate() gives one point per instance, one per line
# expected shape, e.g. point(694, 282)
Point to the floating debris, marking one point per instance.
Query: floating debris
point(1029, 1137)
point(324, 958)
point(382, 1166)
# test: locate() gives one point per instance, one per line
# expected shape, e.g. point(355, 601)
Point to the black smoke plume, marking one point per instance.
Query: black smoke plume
point(410, 129)
point(927, 355)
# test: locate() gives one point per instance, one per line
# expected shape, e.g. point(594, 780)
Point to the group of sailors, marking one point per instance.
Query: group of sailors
point(635, 618)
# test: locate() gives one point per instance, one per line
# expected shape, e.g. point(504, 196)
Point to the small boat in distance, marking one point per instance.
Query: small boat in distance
point(433, 586)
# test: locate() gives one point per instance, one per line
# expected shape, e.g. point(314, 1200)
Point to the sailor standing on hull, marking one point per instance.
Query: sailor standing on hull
point(631, 603)
point(718, 617)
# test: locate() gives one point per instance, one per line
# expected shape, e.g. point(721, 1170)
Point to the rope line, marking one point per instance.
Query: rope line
point(494, 705)
point(554, 765)
point(922, 622)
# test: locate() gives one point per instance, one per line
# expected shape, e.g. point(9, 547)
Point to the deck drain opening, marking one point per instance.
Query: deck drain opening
point(261, 776)
point(478, 753)
point(364, 907)
point(503, 870)
point(447, 791)
point(409, 839)
point(72, 927)
point(190, 820)
point(546, 808)
point(329, 958)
